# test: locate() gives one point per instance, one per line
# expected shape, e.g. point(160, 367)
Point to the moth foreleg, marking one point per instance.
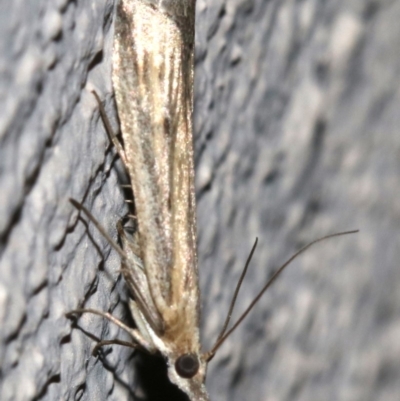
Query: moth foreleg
point(110, 131)
point(113, 342)
point(134, 333)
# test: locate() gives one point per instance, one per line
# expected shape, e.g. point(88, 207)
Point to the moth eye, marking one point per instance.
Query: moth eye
point(187, 365)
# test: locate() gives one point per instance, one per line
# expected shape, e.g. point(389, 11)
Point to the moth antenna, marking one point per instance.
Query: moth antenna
point(238, 285)
point(99, 227)
point(209, 355)
point(129, 201)
point(126, 186)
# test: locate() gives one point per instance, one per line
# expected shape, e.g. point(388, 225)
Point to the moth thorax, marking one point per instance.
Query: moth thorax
point(187, 365)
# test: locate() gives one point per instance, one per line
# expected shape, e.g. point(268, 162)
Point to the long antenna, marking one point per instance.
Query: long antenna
point(209, 355)
point(238, 285)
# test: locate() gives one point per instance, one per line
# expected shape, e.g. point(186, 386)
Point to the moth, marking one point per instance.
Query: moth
point(153, 83)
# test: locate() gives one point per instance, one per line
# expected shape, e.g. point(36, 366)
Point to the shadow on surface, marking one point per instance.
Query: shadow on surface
point(153, 379)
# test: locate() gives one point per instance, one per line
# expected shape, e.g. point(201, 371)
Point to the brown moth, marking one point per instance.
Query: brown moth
point(153, 83)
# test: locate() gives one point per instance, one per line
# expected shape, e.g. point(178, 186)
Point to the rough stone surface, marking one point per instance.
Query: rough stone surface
point(296, 135)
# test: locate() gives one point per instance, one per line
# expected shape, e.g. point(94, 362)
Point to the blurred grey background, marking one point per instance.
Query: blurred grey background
point(297, 122)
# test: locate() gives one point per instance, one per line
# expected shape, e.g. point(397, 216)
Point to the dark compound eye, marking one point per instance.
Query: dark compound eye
point(187, 365)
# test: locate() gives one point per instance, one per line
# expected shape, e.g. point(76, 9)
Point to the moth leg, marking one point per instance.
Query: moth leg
point(135, 334)
point(132, 240)
point(110, 132)
point(112, 342)
point(99, 227)
point(141, 324)
point(113, 138)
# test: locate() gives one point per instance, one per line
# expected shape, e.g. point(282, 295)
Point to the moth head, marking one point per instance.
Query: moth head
point(188, 372)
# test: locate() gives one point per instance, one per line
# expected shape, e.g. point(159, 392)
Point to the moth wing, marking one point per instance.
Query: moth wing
point(153, 80)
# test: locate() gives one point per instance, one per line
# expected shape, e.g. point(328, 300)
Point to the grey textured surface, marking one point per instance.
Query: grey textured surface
point(296, 135)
